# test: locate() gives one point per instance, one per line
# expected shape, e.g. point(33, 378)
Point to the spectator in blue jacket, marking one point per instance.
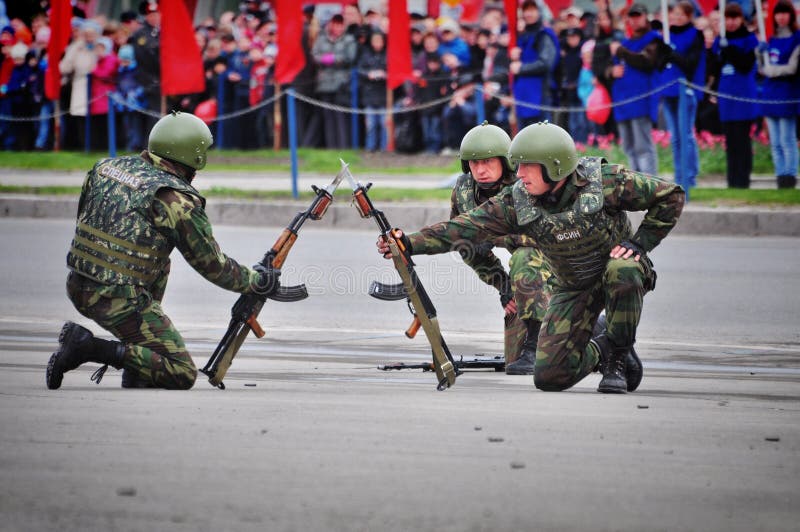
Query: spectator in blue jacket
point(19, 93)
point(635, 62)
point(737, 88)
point(778, 64)
point(686, 58)
point(533, 63)
point(451, 43)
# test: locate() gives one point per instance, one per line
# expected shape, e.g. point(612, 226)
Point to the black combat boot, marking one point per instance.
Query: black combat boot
point(77, 345)
point(527, 356)
point(614, 380)
point(633, 365)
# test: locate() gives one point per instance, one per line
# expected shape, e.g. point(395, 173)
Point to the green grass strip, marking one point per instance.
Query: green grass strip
point(714, 197)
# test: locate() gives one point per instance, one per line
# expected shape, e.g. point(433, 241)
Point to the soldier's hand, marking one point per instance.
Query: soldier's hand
point(383, 244)
point(627, 249)
point(511, 307)
point(268, 280)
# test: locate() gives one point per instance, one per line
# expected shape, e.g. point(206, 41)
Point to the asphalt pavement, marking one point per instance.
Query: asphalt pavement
point(309, 435)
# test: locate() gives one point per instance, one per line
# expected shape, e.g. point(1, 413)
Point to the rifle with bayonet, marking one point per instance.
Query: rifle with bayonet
point(496, 363)
point(244, 313)
point(410, 289)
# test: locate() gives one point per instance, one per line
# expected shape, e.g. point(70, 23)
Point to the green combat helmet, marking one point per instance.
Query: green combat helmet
point(181, 137)
point(484, 142)
point(548, 145)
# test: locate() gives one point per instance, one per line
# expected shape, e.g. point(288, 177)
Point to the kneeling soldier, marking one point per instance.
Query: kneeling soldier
point(574, 210)
point(132, 213)
point(524, 290)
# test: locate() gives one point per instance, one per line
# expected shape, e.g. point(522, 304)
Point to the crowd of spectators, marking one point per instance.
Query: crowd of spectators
point(461, 70)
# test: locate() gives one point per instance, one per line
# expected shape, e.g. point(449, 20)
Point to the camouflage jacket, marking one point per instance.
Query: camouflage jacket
point(132, 213)
point(465, 197)
point(584, 223)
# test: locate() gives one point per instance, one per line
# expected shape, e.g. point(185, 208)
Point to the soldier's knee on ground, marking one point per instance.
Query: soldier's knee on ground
point(187, 378)
point(549, 384)
point(624, 276)
point(181, 375)
point(551, 379)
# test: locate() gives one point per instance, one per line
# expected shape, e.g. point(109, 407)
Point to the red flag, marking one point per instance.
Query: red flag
point(769, 12)
point(398, 47)
point(60, 30)
point(181, 61)
point(291, 58)
point(511, 14)
point(706, 6)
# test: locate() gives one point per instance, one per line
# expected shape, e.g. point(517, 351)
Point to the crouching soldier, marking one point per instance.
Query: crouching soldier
point(524, 289)
point(574, 210)
point(133, 212)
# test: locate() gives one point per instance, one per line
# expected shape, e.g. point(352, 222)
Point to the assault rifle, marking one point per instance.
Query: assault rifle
point(496, 363)
point(245, 311)
point(411, 288)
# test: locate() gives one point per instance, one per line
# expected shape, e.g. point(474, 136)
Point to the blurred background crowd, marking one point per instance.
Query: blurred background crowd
point(602, 72)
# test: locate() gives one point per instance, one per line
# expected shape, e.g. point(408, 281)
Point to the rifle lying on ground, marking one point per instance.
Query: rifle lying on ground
point(245, 311)
point(411, 289)
point(496, 363)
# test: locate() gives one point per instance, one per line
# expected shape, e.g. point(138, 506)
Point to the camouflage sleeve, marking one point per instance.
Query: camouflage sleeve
point(493, 218)
point(184, 221)
point(487, 266)
point(480, 258)
point(454, 204)
point(633, 191)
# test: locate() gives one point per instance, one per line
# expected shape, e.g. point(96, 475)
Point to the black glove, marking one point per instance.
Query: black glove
point(469, 250)
point(268, 280)
point(506, 295)
point(633, 246)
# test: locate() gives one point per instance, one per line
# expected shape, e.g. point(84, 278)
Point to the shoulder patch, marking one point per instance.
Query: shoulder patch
point(524, 204)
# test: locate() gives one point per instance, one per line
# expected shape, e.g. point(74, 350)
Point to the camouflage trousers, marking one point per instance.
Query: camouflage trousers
point(154, 350)
point(531, 285)
point(564, 354)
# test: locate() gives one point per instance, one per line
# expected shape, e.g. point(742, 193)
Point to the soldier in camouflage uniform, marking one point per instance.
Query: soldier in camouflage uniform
point(574, 210)
point(132, 213)
point(523, 294)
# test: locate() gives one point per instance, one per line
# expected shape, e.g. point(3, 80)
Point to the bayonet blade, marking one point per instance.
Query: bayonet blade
point(346, 169)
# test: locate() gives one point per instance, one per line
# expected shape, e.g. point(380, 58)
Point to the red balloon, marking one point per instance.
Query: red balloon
point(598, 105)
point(206, 111)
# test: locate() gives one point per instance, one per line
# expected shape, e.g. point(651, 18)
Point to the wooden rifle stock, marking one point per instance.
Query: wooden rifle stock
point(419, 303)
point(244, 314)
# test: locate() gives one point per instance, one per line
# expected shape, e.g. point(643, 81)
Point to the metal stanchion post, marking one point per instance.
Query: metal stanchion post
point(290, 112)
point(87, 123)
point(354, 105)
point(112, 127)
point(220, 140)
point(479, 108)
point(684, 130)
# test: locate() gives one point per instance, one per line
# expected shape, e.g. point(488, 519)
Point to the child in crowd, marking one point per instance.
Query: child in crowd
point(20, 100)
point(586, 81)
point(262, 88)
point(131, 93)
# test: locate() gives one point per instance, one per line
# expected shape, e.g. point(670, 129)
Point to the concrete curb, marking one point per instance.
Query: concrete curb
point(696, 220)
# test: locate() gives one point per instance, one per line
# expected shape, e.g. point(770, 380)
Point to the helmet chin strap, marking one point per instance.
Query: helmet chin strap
point(487, 186)
point(549, 196)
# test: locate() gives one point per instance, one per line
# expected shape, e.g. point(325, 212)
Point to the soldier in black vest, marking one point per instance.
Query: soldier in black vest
point(574, 210)
point(132, 213)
